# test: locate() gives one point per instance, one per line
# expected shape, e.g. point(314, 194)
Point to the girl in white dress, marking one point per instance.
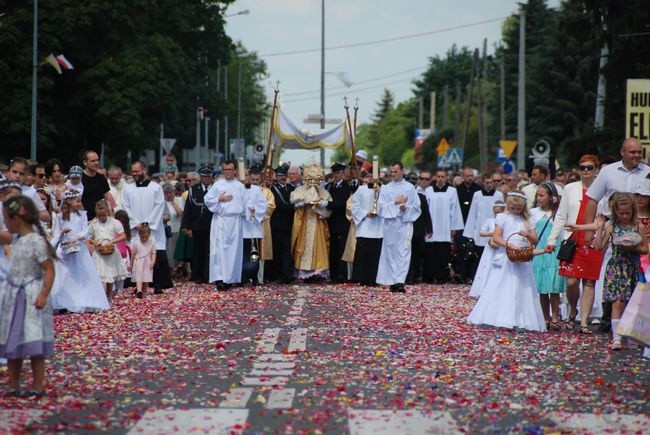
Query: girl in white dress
point(105, 232)
point(77, 286)
point(487, 263)
point(509, 298)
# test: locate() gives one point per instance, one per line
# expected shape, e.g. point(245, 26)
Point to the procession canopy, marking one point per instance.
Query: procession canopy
point(289, 135)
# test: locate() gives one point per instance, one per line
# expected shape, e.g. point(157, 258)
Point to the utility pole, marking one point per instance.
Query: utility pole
point(599, 119)
point(432, 112)
point(322, 79)
point(481, 139)
point(197, 144)
point(239, 100)
point(483, 152)
point(521, 101)
point(468, 111)
point(445, 108)
point(457, 114)
point(217, 134)
point(421, 113)
point(503, 98)
point(226, 140)
point(160, 153)
point(32, 153)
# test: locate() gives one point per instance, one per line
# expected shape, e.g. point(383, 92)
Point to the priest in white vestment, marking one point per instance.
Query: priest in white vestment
point(226, 199)
point(480, 211)
point(144, 201)
point(447, 219)
point(369, 232)
point(399, 205)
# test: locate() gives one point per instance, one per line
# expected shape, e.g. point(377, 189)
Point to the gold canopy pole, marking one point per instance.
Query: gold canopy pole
point(268, 161)
point(354, 169)
point(356, 109)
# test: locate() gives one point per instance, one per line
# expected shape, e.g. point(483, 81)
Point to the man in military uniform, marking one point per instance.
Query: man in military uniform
point(196, 224)
point(338, 222)
point(281, 268)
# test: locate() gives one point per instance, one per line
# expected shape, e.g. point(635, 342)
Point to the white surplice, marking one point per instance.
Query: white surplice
point(480, 211)
point(226, 230)
point(252, 221)
point(366, 226)
point(398, 229)
point(445, 214)
point(146, 204)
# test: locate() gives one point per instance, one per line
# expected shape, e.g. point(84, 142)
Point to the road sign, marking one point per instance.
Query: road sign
point(442, 147)
point(420, 135)
point(455, 156)
point(167, 144)
point(443, 162)
point(508, 146)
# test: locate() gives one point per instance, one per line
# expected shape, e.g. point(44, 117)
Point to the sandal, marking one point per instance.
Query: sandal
point(555, 325)
point(139, 295)
point(616, 345)
point(570, 323)
point(32, 394)
point(585, 330)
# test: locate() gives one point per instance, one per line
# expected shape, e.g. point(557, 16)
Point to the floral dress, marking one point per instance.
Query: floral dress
point(622, 272)
point(24, 330)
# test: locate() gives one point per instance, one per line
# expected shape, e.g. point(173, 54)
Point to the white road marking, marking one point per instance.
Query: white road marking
point(269, 340)
point(191, 420)
point(276, 357)
point(278, 380)
point(270, 372)
point(281, 398)
point(413, 422)
point(601, 423)
point(236, 398)
point(274, 365)
point(298, 340)
point(18, 419)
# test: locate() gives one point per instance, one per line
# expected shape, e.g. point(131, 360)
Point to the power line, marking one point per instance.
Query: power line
point(291, 94)
point(350, 91)
point(381, 41)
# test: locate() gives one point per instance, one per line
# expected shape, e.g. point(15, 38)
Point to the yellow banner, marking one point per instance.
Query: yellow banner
point(508, 146)
point(637, 120)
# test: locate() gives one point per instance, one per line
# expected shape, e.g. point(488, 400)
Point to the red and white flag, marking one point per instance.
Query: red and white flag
point(65, 63)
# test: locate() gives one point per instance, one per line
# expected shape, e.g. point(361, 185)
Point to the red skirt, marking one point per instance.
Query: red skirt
point(586, 263)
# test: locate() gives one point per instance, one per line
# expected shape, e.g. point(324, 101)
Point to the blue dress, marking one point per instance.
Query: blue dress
point(545, 266)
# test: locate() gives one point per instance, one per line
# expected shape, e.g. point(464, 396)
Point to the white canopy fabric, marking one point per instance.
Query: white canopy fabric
point(288, 135)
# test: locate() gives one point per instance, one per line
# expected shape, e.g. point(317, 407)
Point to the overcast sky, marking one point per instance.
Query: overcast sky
point(276, 26)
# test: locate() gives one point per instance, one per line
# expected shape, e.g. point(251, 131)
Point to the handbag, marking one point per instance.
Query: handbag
point(635, 321)
point(567, 249)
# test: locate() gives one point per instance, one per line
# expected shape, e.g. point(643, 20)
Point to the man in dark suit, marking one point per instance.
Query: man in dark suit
point(196, 224)
point(281, 267)
point(422, 228)
point(338, 223)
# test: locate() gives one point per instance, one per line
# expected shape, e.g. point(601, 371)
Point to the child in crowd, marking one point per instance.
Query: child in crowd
point(79, 288)
point(124, 247)
point(26, 326)
point(105, 232)
point(491, 252)
point(627, 242)
point(144, 258)
point(8, 189)
point(509, 298)
point(550, 285)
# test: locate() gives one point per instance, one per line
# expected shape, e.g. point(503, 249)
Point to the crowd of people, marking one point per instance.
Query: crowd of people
point(71, 242)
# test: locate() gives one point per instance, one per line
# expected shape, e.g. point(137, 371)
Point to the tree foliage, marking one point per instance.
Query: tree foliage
point(137, 63)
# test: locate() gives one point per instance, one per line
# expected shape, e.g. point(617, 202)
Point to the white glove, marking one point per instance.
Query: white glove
point(324, 203)
point(299, 204)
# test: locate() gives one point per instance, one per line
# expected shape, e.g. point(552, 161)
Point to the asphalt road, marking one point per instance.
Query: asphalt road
point(325, 359)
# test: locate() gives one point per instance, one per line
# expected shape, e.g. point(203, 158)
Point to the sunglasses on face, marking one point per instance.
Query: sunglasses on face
point(587, 167)
point(425, 178)
point(41, 175)
point(497, 180)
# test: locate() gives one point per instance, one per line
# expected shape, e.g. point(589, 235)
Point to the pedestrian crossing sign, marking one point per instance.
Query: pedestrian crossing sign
point(455, 156)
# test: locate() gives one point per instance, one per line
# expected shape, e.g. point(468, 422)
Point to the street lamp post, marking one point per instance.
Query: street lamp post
point(34, 83)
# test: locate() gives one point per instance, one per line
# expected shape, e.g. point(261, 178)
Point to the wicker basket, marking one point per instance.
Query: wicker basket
point(106, 249)
point(519, 255)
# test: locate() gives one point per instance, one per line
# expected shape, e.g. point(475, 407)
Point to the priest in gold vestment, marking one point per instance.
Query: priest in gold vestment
point(310, 233)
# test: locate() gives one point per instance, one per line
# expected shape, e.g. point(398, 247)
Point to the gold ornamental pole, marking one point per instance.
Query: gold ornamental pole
point(268, 169)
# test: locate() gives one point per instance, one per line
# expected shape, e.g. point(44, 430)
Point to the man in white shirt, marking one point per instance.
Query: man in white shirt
point(17, 172)
point(144, 201)
point(369, 232)
point(447, 219)
point(226, 199)
point(399, 206)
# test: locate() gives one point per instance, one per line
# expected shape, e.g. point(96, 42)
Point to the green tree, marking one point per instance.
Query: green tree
point(137, 64)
